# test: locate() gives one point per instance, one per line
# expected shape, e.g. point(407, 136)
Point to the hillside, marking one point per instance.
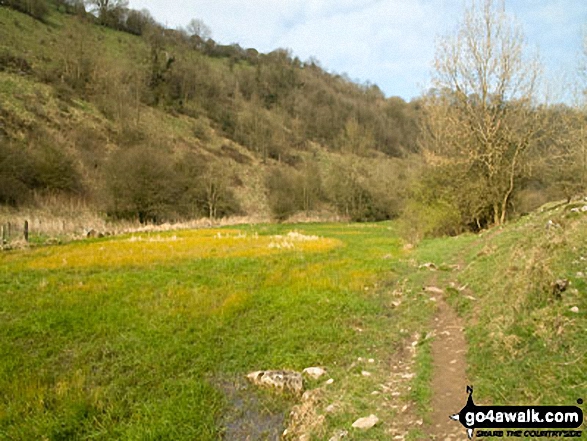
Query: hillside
point(527, 307)
point(520, 291)
point(164, 126)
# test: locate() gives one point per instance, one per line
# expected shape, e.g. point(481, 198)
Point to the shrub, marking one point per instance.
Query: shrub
point(14, 171)
point(140, 184)
point(283, 188)
point(54, 171)
point(35, 8)
point(354, 191)
point(212, 192)
point(420, 220)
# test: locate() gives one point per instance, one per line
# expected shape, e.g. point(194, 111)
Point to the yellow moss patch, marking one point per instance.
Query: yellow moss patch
point(146, 249)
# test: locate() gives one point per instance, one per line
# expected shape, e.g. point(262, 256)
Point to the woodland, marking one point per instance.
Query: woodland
point(103, 105)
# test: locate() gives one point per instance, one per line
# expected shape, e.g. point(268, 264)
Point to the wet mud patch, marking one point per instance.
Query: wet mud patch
point(253, 414)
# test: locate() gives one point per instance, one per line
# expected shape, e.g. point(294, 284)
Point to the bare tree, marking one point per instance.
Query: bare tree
point(198, 28)
point(482, 118)
point(109, 11)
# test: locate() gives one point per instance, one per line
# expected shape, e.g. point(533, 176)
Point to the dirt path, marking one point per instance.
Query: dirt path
point(449, 375)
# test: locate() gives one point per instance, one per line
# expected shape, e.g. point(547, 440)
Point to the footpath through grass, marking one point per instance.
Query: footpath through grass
point(527, 339)
point(134, 337)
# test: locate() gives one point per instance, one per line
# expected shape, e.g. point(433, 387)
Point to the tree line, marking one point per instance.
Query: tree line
point(479, 148)
point(274, 105)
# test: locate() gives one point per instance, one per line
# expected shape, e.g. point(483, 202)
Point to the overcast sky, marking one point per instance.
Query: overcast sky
point(386, 42)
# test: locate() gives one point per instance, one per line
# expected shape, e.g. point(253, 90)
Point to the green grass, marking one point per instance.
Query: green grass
point(156, 344)
point(525, 344)
point(138, 351)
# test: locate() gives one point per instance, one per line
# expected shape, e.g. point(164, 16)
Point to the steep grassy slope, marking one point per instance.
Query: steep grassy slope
point(526, 338)
point(90, 112)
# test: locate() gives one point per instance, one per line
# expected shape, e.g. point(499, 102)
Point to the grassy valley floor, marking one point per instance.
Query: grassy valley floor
point(151, 335)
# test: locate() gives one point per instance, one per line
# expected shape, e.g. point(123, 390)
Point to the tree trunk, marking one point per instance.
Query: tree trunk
point(510, 189)
point(496, 216)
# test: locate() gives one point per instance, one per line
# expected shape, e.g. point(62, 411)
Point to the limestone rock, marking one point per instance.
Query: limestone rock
point(366, 423)
point(314, 372)
point(433, 290)
point(290, 381)
point(331, 408)
point(338, 435)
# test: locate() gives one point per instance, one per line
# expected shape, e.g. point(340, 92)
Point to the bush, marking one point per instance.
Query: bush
point(41, 168)
point(211, 191)
point(14, 63)
point(283, 188)
point(35, 8)
point(355, 192)
point(54, 171)
point(140, 184)
point(14, 172)
point(291, 191)
point(420, 220)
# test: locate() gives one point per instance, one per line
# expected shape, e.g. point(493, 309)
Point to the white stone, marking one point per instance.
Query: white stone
point(330, 381)
point(428, 265)
point(575, 309)
point(314, 372)
point(340, 434)
point(366, 423)
point(281, 380)
point(365, 373)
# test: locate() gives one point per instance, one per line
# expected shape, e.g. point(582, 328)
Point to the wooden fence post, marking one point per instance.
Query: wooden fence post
point(2, 235)
point(26, 230)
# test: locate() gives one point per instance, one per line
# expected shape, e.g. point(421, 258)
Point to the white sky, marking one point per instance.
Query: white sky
point(386, 42)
